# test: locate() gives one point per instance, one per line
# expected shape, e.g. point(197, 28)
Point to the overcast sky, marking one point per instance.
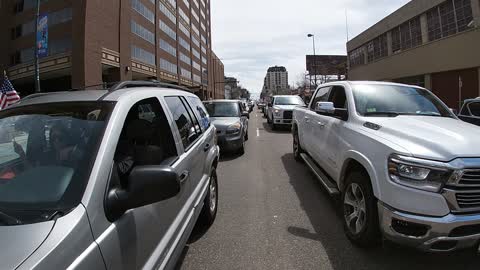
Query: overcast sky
point(252, 35)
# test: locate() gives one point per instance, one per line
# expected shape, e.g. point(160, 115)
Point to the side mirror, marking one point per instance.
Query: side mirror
point(146, 185)
point(246, 114)
point(328, 109)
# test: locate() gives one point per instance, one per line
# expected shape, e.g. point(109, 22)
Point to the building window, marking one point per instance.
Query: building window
point(196, 53)
point(195, 41)
point(195, 30)
point(168, 66)
point(142, 32)
point(184, 58)
point(143, 55)
point(377, 48)
point(60, 46)
point(197, 78)
point(196, 65)
point(184, 29)
point(184, 16)
point(187, 2)
point(167, 12)
point(407, 35)
point(185, 73)
point(414, 80)
point(449, 18)
point(143, 10)
point(164, 45)
point(184, 43)
point(167, 30)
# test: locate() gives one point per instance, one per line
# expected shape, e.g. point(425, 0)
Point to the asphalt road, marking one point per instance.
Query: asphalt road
point(273, 214)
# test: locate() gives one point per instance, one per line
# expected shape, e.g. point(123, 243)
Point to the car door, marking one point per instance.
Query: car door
point(143, 237)
point(332, 132)
point(314, 132)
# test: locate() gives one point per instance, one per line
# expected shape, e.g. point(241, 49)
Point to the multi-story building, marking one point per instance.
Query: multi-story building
point(276, 81)
point(432, 43)
point(95, 43)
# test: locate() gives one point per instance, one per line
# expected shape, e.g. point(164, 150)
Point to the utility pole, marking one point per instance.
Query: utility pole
point(37, 64)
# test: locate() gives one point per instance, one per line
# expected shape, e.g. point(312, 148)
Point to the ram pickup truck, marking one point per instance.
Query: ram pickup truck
point(406, 168)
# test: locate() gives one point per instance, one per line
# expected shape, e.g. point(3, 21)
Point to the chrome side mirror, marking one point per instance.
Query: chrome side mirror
point(324, 108)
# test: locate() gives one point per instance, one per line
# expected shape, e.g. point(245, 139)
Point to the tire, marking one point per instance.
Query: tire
point(210, 206)
point(362, 229)
point(241, 150)
point(297, 148)
point(274, 127)
point(246, 136)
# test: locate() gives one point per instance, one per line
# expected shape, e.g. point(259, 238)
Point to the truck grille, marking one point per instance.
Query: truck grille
point(468, 200)
point(470, 178)
point(287, 114)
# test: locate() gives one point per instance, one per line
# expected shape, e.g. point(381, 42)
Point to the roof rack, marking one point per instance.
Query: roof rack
point(132, 84)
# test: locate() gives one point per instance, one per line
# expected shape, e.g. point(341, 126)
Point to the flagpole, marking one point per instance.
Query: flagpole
point(37, 64)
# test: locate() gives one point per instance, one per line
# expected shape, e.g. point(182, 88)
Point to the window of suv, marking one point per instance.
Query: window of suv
point(320, 96)
point(338, 97)
point(46, 155)
point(183, 120)
point(474, 108)
point(200, 112)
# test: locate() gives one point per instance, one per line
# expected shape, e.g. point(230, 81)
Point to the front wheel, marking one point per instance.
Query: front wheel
point(209, 211)
point(297, 148)
point(360, 212)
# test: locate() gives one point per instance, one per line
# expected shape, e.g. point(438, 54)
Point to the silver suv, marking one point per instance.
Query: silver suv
point(105, 179)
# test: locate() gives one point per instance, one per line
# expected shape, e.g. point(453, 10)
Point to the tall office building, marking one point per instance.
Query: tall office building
point(276, 81)
point(94, 43)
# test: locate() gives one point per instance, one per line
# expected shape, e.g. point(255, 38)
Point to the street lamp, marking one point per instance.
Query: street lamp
point(314, 58)
point(37, 64)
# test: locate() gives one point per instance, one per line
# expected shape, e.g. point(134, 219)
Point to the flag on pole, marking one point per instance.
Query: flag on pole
point(8, 95)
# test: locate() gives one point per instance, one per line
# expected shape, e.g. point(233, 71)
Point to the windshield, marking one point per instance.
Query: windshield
point(394, 100)
point(293, 100)
point(46, 154)
point(223, 109)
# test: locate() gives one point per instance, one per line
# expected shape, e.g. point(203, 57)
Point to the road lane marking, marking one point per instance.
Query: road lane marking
point(258, 132)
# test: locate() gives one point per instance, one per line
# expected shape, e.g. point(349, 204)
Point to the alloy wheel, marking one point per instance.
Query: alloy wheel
point(355, 208)
point(213, 194)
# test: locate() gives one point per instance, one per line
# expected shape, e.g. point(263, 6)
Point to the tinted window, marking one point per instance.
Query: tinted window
point(200, 111)
point(338, 97)
point(320, 96)
point(223, 109)
point(291, 100)
point(182, 120)
point(193, 116)
point(386, 100)
point(46, 154)
point(474, 108)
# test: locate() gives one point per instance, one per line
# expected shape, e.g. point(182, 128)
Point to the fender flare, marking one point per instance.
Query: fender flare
point(360, 158)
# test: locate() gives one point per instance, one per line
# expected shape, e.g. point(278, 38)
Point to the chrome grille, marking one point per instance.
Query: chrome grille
point(468, 199)
point(470, 178)
point(287, 114)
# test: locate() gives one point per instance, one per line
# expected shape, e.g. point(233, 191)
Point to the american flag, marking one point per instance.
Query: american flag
point(8, 95)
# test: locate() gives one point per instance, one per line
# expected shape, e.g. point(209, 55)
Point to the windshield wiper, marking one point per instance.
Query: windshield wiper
point(9, 220)
point(388, 114)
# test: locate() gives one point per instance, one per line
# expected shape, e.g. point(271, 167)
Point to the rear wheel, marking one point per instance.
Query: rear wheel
point(297, 148)
point(360, 213)
point(241, 150)
point(209, 211)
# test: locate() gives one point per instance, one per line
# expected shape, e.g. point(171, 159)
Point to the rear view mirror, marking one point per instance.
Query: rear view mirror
point(328, 109)
point(146, 185)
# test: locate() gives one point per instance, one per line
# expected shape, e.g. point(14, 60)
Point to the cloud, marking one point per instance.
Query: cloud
point(252, 35)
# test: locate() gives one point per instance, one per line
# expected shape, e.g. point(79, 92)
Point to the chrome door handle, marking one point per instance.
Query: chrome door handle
point(321, 125)
point(184, 176)
point(307, 119)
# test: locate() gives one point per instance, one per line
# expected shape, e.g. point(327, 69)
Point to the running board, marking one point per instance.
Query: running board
point(331, 187)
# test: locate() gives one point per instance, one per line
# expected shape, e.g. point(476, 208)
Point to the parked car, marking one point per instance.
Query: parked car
point(231, 122)
point(280, 110)
point(470, 111)
point(117, 181)
point(261, 105)
point(404, 165)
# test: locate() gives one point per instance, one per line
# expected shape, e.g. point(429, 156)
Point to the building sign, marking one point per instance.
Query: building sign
point(42, 36)
point(326, 64)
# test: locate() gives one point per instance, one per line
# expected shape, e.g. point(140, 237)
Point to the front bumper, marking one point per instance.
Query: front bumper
point(230, 143)
point(431, 234)
point(278, 121)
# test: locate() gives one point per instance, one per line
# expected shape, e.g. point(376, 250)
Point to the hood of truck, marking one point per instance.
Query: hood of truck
point(222, 123)
point(285, 107)
point(436, 138)
point(19, 242)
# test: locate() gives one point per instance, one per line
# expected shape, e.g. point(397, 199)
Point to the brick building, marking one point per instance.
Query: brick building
point(92, 43)
point(431, 43)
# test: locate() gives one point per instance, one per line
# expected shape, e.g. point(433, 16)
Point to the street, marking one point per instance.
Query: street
point(273, 214)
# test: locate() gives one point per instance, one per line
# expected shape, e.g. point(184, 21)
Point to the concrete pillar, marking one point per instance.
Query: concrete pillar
point(476, 11)
point(428, 81)
point(389, 43)
point(424, 27)
point(365, 60)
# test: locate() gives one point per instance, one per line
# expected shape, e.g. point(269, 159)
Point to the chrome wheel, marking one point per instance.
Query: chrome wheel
point(296, 148)
point(213, 194)
point(355, 208)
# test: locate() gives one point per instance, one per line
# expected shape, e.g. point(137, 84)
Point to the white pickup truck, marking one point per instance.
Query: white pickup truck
point(405, 166)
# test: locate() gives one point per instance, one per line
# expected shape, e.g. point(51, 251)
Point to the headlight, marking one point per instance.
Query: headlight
point(234, 129)
point(277, 112)
point(418, 173)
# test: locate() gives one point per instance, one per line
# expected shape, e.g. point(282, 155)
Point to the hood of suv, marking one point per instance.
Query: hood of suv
point(285, 107)
point(224, 122)
point(436, 138)
point(19, 242)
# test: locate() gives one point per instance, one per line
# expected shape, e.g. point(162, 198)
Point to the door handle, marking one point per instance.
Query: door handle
point(307, 119)
point(321, 125)
point(184, 176)
point(206, 148)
